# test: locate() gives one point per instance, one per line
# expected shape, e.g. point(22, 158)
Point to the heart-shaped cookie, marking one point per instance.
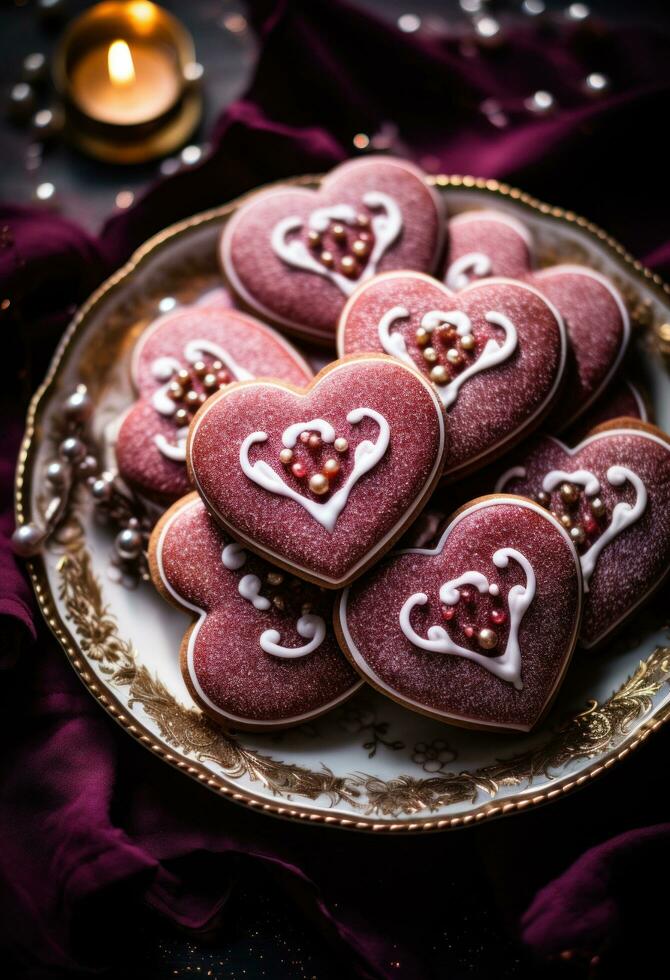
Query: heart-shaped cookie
point(293, 255)
point(493, 243)
point(178, 361)
point(321, 480)
point(261, 653)
point(612, 494)
point(478, 630)
point(494, 351)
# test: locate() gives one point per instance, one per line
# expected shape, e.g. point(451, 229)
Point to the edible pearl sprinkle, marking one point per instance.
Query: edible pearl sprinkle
point(430, 355)
point(319, 483)
point(468, 342)
point(286, 456)
point(487, 639)
point(340, 445)
point(439, 375)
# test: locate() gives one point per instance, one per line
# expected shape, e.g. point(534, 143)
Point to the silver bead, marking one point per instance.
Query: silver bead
point(101, 489)
point(56, 474)
point(27, 540)
point(78, 407)
point(128, 543)
point(72, 449)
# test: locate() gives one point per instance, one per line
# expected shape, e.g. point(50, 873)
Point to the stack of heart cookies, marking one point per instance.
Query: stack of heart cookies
point(463, 370)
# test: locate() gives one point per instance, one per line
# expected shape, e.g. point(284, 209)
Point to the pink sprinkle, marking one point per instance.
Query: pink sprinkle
point(448, 612)
point(498, 616)
point(469, 631)
point(299, 470)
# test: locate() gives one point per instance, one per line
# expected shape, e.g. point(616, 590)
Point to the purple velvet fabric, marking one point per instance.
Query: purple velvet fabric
point(89, 820)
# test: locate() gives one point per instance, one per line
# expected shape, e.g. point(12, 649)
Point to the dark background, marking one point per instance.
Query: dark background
point(258, 938)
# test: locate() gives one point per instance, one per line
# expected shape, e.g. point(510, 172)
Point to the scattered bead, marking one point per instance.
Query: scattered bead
point(101, 489)
point(339, 233)
point(597, 507)
point(469, 631)
point(314, 238)
point(340, 445)
point(72, 449)
point(128, 544)
point(200, 369)
point(569, 494)
point(314, 442)
point(590, 525)
point(438, 375)
point(327, 258)
point(78, 407)
point(448, 613)
point(494, 590)
point(182, 417)
point(56, 474)
point(487, 639)
point(304, 437)
point(299, 470)
point(453, 356)
point(348, 265)
point(210, 382)
point(319, 484)
point(422, 337)
point(577, 534)
point(363, 220)
point(430, 355)
point(217, 365)
point(27, 540)
point(360, 248)
point(286, 456)
point(223, 377)
point(331, 468)
point(565, 521)
point(275, 578)
point(498, 616)
point(544, 498)
point(468, 342)
point(183, 377)
point(175, 391)
point(192, 398)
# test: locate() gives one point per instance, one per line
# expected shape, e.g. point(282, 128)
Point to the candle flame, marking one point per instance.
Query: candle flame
point(120, 63)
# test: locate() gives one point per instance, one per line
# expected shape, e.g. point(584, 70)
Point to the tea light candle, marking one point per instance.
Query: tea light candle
point(125, 72)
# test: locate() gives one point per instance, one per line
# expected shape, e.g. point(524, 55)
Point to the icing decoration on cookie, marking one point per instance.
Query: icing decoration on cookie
point(240, 659)
point(293, 255)
point(506, 666)
point(368, 237)
point(478, 629)
point(457, 355)
point(366, 456)
point(487, 243)
point(610, 493)
point(475, 262)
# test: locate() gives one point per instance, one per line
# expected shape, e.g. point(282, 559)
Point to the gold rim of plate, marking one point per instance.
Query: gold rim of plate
point(587, 735)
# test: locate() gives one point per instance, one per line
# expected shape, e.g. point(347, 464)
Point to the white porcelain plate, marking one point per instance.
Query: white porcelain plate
point(371, 764)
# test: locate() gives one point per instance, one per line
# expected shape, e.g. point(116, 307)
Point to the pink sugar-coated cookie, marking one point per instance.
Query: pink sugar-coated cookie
point(321, 480)
point(477, 631)
point(261, 653)
point(293, 255)
point(491, 243)
point(212, 346)
point(508, 342)
point(621, 400)
point(612, 492)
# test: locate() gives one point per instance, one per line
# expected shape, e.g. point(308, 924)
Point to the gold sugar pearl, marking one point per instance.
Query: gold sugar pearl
point(319, 484)
point(487, 639)
point(363, 220)
point(422, 337)
point(200, 369)
point(453, 356)
point(468, 342)
point(192, 398)
point(304, 437)
point(565, 521)
point(286, 456)
point(544, 498)
point(438, 375)
point(331, 467)
point(339, 232)
point(314, 238)
point(360, 248)
point(348, 265)
point(183, 377)
point(340, 445)
point(181, 416)
point(327, 258)
point(210, 381)
point(314, 442)
point(569, 494)
point(577, 534)
point(217, 365)
point(430, 355)
point(597, 507)
point(175, 391)
point(275, 578)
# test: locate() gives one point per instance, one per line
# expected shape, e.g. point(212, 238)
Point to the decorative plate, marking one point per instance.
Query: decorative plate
point(369, 765)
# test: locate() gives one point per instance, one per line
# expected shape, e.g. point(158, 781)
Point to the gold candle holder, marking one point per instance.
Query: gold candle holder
point(127, 75)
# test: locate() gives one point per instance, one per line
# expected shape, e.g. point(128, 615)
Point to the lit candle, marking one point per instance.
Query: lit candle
point(125, 70)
